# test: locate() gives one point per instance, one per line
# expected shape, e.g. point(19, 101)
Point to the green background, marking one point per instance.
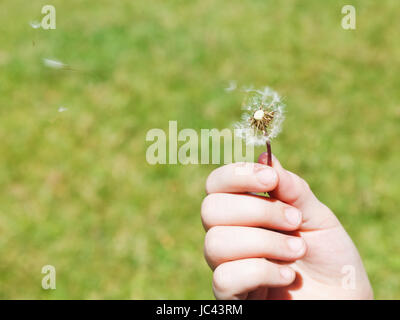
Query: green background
point(76, 191)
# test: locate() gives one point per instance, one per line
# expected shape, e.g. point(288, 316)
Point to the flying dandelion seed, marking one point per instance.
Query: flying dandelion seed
point(54, 64)
point(62, 109)
point(262, 118)
point(232, 86)
point(247, 88)
point(35, 24)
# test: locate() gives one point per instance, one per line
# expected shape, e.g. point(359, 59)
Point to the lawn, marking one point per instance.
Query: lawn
point(76, 191)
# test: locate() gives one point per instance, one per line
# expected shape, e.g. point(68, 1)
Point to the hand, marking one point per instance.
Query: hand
point(288, 246)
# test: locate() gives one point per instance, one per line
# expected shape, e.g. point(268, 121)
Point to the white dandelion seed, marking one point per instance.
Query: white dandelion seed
point(35, 24)
point(262, 118)
point(54, 64)
point(248, 88)
point(62, 109)
point(232, 86)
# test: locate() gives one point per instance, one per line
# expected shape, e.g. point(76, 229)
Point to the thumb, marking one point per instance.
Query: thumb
point(295, 191)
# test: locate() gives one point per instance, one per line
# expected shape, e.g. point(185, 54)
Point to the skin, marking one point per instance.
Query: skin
point(288, 246)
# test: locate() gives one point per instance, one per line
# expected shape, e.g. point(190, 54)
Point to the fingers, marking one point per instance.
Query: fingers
point(224, 244)
point(242, 177)
point(248, 210)
point(236, 279)
point(293, 190)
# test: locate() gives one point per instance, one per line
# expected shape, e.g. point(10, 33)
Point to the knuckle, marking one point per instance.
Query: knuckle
point(211, 179)
point(222, 280)
point(207, 209)
point(304, 184)
point(301, 188)
point(213, 242)
point(208, 183)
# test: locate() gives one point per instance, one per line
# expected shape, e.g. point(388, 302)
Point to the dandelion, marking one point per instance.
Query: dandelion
point(262, 118)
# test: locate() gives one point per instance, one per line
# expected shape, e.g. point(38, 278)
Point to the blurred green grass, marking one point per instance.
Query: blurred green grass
point(76, 191)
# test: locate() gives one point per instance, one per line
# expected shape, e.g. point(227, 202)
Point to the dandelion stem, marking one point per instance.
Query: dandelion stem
point(269, 153)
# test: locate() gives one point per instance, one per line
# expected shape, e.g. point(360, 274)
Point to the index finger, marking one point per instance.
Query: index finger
point(242, 177)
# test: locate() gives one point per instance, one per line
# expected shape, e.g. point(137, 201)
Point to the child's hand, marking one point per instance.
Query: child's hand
point(289, 246)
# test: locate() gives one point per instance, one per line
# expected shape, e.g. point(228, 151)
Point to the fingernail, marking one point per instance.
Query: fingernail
point(293, 216)
point(286, 273)
point(296, 244)
point(266, 176)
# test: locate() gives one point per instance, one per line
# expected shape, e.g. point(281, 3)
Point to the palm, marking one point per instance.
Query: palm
point(327, 269)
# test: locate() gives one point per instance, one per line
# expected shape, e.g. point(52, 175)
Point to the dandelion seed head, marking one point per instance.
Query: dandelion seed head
point(262, 118)
point(258, 115)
